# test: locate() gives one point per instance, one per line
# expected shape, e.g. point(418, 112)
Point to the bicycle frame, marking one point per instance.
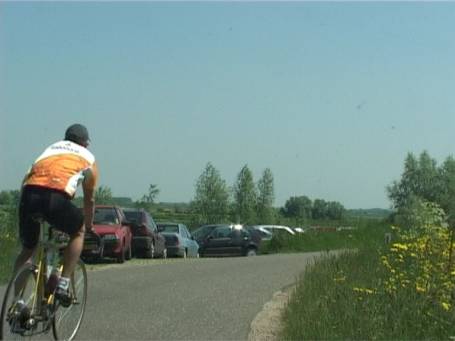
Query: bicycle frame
point(33, 286)
point(40, 300)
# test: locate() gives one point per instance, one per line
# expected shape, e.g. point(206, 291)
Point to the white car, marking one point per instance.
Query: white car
point(268, 230)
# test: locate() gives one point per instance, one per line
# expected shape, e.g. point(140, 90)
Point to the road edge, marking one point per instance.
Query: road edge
point(267, 324)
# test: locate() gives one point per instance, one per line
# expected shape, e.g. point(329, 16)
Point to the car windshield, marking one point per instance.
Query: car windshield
point(133, 216)
point(168, 228)
point(105, 216)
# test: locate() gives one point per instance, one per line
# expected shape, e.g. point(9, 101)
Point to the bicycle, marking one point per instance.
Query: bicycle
point(29, 306)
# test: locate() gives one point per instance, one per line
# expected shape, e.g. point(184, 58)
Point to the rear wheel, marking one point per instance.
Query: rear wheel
point(150, 252)
point(16, 308)
point(67, 321)
point(251, 252)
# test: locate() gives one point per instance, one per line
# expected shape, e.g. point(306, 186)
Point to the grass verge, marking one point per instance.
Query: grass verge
point(9, 245)
point(344, 297)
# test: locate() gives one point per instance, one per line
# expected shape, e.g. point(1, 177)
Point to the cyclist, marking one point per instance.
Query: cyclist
point(47, 190)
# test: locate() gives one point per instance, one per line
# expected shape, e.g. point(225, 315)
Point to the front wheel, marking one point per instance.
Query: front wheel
point(129, 254)
point(17, 306)
point(121, 257)
point(67, 321)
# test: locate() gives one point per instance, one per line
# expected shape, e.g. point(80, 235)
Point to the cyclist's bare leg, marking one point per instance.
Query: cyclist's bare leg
point(72, 253)
point(25, 256)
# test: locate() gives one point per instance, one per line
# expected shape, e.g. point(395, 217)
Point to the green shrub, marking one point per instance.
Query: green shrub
point(9, 244)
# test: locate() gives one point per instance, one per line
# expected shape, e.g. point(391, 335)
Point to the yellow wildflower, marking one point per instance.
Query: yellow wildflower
point(446, 306)
point(419, 288)
point(400, 246)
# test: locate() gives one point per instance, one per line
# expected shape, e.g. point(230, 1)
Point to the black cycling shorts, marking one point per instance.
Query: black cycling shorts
point(54, 206)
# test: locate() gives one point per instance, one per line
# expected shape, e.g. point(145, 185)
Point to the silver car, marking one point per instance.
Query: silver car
point(179, 241)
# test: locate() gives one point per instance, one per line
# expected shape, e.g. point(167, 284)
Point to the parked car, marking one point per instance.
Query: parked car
point(179, 241)
point(300, 229)
point(226, 240)
point(263, 234)
point(147, 241)
point(115, 236)
point(267, 231)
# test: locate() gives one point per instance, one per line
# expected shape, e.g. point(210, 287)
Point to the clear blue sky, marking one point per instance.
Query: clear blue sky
point(330, 96)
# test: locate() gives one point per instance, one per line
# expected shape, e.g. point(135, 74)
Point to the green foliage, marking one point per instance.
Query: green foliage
point(419, 213)
point(9, 198)
point(424, 181)
point(335, 239)
point(245, 197)
point(266, 196)
point(211, 202)
point(148, 199)
point(319, 209)
point(335, 210)
point(9, 244)
point(364, 295)
point(377, 213)
point(103, 196)
point(446, 198)
point(298, 208)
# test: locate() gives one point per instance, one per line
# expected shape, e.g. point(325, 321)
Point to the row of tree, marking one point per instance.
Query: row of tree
point(253, 202)
point(246, 201)
point(302, 207)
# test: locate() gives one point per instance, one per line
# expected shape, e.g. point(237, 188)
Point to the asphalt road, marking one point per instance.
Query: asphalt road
point(177, 299)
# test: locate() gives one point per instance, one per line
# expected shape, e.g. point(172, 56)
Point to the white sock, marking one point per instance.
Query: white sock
point(63, 283)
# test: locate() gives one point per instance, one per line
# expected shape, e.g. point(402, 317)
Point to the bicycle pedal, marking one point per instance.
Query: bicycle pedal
point(64, 298)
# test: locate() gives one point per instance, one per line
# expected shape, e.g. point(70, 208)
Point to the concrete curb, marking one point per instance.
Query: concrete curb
point(267, 325)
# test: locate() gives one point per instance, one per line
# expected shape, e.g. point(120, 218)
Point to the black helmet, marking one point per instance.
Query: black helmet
point(77, 133)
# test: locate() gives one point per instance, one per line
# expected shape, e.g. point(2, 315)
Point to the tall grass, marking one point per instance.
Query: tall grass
point(369, 232)
point(344, 297)
point(8, 242)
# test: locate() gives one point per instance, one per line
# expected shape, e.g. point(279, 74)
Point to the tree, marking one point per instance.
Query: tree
point(420, 178)
point(9, 198)
point(319, 209)
point(266, 197)
point(298, 208)
point(423, 181)
point(103, 196)
point(211, 201)
point(148, 199)
point(335, 211)
point(152, 194)
point(446, 197)
point(245, 197)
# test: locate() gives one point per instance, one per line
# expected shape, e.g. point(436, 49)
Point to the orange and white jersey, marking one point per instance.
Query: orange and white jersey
point(63, 166)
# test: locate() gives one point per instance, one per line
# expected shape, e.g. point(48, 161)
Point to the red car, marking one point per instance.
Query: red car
point(115, 235)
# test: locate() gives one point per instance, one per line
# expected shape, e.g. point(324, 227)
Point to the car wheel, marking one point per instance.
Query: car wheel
point(122, 256)
point(150, 253)
point(251, 252)
point(129, 254)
